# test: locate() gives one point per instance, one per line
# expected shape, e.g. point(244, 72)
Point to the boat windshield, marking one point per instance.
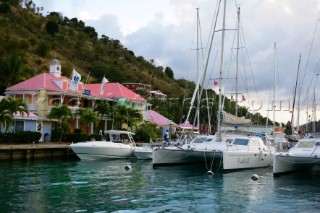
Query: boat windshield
point(199, 140)
point(306, 144)
point(241, 141)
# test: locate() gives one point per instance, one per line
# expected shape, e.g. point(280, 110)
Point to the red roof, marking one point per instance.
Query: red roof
point(114, 90)
point(41, 81)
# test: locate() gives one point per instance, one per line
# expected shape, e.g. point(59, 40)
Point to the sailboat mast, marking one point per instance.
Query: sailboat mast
point(295, 94)
point(314, 109)
point(237, 71)
point(198, 75)
point(274, 87)
point(220, 73)
point(298, 117)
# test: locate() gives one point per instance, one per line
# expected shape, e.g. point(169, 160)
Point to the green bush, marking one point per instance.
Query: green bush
point(20, 137)
point(147, 131)
point(75, 137)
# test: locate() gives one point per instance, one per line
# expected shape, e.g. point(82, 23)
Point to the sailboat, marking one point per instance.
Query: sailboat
point(304, 155)
point(234, 151)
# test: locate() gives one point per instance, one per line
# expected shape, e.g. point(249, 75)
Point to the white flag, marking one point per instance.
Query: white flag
point(75, 79)
point(104, 81)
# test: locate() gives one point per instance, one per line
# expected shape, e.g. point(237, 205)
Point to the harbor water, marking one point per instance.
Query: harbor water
point(135, 186)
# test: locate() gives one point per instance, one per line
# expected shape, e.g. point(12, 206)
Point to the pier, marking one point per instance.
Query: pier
point(36, 151)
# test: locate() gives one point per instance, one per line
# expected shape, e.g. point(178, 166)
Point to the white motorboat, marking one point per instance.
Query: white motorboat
point(120, 145)
point(304, 155)
point(143, 152)
point(235, 152)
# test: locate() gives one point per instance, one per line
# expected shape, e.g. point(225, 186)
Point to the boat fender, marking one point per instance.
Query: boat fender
point(210, 172)
point(255, 177)
point(127, 167)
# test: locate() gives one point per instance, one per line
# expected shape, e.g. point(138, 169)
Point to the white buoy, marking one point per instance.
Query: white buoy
point(255, 177)
point(210, 172)
point(127, 167)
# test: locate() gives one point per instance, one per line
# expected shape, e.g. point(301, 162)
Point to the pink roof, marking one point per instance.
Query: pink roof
point(46, 81)
point(25, 116)
point(41, 81)
point(186, 125)
point(159, 119)
point(113, 90)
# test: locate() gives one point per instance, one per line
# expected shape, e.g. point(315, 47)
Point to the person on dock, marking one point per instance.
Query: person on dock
point(166, 137)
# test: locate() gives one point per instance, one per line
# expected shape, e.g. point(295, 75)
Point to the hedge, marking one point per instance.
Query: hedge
point(19, 137)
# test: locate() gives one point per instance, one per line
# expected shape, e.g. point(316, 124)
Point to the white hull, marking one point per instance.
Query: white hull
point(174, 155)
point(236, 152)
point(143, 153)
point(304, 155)
point(283, 163)
point(246, 159)
point(101, 150)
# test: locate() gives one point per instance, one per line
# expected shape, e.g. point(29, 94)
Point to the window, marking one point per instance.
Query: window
point(306, 144)
point(19, 126)
point(239, 141)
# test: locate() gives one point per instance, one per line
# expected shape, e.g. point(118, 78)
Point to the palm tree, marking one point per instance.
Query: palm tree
point(62, 113)
point(135, 117)
point(8, 107)
point(127, 115)
point(103, 109)
point(87, 116)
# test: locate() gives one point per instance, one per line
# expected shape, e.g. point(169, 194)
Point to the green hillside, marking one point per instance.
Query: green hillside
point(39, 39)
point(29, 41)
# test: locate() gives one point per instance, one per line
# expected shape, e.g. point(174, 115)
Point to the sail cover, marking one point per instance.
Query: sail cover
point(230, 119)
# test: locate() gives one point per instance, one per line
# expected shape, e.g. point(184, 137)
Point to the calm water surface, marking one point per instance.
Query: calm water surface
point(105, 186)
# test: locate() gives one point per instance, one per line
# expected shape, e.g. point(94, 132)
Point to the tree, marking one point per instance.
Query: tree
point(4, 8)
point(288, 129)
point(62, 113)
point(127, 115)
point(8, 107)
point(91, 32)
point(12, 71)
point(103, 109)
point(146, 132)
point(87, 116)
point(52, 27)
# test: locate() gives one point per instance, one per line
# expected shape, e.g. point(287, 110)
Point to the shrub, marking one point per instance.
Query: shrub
point(20, 137)
point(147, 131)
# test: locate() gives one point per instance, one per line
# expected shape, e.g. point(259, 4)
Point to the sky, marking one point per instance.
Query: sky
point(272, 36)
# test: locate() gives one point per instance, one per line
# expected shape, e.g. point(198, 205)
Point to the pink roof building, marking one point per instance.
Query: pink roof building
point(159, 119)
point(43, 91)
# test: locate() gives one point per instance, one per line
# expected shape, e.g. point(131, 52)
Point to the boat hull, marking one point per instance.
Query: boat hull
point(174, 155)
point(234, 160)
point(283, 163)
point(143, 153)
point(102, 150)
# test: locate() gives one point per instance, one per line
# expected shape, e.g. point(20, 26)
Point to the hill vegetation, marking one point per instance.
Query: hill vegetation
point(30, 40)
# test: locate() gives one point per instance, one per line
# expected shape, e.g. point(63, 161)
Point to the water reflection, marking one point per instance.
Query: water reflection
point(106, 186)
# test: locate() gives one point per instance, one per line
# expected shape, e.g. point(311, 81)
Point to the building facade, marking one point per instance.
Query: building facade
point(46, 90)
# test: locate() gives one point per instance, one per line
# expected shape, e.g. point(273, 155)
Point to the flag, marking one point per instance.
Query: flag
point(215, 83)
point(75, 79)
point(104, 81)
point(243, 98)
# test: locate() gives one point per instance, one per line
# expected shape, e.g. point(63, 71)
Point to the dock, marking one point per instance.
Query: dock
point(34, 151)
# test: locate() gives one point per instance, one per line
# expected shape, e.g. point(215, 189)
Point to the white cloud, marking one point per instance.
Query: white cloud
point(165, 30)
